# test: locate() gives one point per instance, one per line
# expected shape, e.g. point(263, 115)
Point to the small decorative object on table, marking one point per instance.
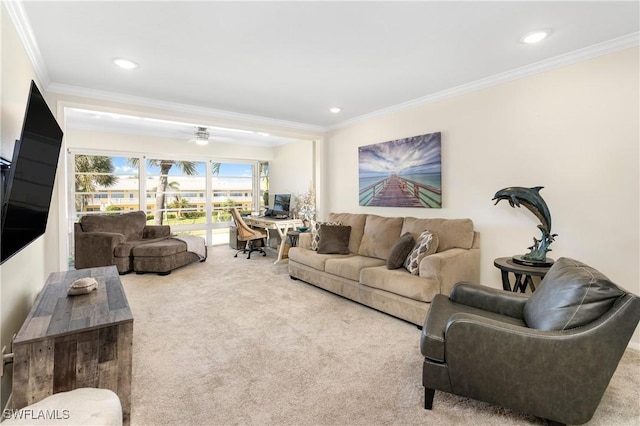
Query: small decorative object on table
point(82, 286)
point(303, 228)
point(531, 199)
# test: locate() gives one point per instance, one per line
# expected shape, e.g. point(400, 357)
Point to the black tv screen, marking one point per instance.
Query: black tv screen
point(281, 204)
point(31, 175)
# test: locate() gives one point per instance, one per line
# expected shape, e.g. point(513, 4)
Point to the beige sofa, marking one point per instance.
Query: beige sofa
point(363, 276)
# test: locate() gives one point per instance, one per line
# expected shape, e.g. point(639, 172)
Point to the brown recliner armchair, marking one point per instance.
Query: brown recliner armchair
point(551, 355)
point(105, 240)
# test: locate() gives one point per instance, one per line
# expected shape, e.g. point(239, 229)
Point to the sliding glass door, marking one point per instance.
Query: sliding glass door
point(192, 196)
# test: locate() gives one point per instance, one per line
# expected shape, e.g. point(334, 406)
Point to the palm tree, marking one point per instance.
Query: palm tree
point(92, 171)
point(188, 168)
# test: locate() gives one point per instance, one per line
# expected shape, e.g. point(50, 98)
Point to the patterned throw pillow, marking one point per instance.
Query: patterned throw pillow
point(426, 244)
point(315, 232)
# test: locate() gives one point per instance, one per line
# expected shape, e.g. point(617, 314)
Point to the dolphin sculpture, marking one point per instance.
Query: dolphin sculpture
point(531, 199)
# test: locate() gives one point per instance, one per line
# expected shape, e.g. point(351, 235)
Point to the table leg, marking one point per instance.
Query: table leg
point(519, 285)
point(505, 280)
point(283, 241)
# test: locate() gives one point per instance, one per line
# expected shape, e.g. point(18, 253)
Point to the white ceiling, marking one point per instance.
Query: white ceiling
point(292, 61)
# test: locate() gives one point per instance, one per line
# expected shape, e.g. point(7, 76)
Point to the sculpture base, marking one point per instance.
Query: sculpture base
point(520, 260)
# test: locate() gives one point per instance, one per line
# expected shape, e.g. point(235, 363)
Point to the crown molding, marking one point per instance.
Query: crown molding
point(65, 89)
point(25, 33)
point(580, 55)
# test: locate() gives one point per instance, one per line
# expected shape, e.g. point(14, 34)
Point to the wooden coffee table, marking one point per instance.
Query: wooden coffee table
point(70, 342)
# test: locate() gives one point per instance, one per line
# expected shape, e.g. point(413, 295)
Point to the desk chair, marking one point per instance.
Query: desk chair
point(249, 235)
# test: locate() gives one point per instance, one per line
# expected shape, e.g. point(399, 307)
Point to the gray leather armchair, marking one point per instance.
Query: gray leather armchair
point(551, 355)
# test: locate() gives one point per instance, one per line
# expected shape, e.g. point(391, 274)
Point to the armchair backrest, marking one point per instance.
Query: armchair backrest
point(570, 295)
point(131, 225)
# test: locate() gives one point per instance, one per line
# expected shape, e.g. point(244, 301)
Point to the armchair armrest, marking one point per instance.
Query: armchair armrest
point(451, 266)
point(93, 249)
point(489, 299)
point(156, 231)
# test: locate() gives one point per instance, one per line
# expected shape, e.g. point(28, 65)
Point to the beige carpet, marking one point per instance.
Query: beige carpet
point(236, 341)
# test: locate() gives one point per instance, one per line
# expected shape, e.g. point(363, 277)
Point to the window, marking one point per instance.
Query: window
point(174, 184)
point(173, 192)
point(95, 179)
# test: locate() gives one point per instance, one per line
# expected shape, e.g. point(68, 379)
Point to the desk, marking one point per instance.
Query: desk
point(523, 274)
point(281, 225)
point(70, 342)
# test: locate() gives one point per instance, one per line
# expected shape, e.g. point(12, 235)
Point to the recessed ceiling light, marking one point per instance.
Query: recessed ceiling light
point(335, 110)
point(535, 37)
point(125, 63)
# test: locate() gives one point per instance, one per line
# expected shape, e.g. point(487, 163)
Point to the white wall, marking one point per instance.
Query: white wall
point(573, 130)
point(22, 276)
point(291, 171)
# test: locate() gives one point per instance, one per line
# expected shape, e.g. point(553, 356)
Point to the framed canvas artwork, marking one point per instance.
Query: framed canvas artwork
point(401, 173)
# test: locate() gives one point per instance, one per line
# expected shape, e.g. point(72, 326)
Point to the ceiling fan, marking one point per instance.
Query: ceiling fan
point(201, 136)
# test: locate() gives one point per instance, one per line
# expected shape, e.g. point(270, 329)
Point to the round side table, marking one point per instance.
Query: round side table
point(523, 274)
point(293, 237)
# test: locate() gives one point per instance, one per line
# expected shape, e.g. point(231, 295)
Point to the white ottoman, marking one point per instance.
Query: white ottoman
point(83, 406)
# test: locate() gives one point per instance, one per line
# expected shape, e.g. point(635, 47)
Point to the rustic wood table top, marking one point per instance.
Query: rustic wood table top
point(56, 314)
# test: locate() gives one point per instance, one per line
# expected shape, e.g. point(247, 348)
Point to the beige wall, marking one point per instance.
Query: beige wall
point(22, 276)
point(573, 130)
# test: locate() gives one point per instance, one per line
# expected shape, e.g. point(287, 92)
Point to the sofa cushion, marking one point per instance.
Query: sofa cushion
point(380, 233)
point(426, 244)
point(570, 295)
point(334, 239)
point(350, 267)
point(315, 232)
point(312, 258)
point(162, 248)
point(125, 249)
point(128, 224)
point(451, 232)
point(356, 222)
point(400, 282)
point(400, 250)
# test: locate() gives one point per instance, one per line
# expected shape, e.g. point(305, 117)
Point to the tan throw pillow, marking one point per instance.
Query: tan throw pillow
point(426, 244)
point(334, 239)
point(315, 232)
point(400, 250)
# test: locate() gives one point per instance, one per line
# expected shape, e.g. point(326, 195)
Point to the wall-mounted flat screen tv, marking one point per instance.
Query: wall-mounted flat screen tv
point(30, 177)
point(281, 204)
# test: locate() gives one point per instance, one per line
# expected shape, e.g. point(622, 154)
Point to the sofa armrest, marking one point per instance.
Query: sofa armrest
point(93, 249)
point(155, 231)
point(489, 299)
point(304, 240)
point(451, 266)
